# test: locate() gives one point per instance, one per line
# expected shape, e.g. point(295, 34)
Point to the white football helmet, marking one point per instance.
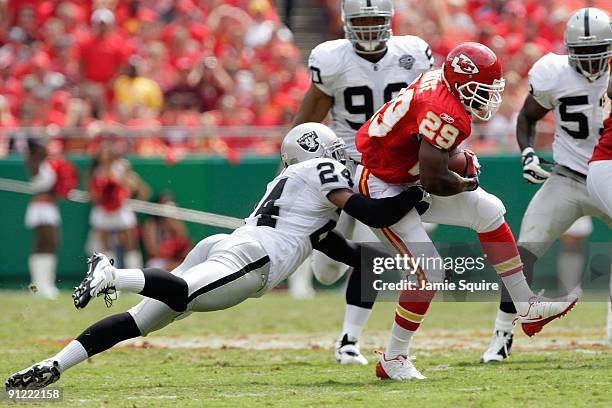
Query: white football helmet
point(311, 141)
point(367, 39)
point(588, 38)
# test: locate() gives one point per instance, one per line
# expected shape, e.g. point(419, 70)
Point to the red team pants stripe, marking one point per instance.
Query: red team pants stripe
point(413, 304)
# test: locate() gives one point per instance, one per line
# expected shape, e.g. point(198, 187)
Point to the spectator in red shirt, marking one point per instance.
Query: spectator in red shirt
point(103, 52)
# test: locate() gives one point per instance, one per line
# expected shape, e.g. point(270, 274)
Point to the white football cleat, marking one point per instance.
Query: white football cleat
point(499, 348)
point(347, 352)
point(399, 368)
point(100, 279)
point(543, 311)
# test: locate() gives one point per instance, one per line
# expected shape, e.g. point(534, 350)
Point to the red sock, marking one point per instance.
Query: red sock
point(411, 308)
point(500, 248)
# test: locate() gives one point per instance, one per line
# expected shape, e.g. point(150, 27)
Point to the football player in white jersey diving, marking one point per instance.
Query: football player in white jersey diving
point(572, 87)
point(353, 78)
point(296, 214)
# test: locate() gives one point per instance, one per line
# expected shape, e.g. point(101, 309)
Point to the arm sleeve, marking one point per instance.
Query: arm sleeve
point(541, 83)
point(425, 56)
point(327, 175)
point(383, 212)
point(322, 69)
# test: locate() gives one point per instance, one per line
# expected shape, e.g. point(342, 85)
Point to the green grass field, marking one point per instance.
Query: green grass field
point(276, 351)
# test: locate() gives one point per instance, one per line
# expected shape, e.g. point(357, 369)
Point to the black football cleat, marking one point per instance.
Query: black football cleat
point(37, 376)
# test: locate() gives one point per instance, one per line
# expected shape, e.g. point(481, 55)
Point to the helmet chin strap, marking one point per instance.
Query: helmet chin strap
point(361, 49)
point(590, 77)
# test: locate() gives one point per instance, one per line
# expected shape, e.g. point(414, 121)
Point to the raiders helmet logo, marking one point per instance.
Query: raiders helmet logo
point(406, 61)
point(309, 142)
point(462, 64)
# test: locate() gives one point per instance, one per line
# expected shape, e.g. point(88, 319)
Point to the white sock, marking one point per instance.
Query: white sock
point(42, 271)
point(355, 318)
point(71, 355)
point(300, 281)
point(569, 267)
point(503, 321)
point(132, 259)
point(399, 342)
point(519, 291)
point(129, 280)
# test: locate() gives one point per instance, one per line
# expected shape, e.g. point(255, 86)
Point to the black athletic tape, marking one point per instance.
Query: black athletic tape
point(107, 332)
point(166, 287)
point(360, 290)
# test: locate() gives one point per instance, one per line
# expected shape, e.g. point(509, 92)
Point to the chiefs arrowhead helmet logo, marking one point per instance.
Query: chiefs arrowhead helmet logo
point(462, 64)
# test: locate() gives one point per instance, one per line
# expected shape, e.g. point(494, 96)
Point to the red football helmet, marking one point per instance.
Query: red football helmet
point(473, 73)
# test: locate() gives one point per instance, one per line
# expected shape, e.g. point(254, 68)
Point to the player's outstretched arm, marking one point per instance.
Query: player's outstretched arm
point(435, 176)
point(377, 212)
point(314, 107)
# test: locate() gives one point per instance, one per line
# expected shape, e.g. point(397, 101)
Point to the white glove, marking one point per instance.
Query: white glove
point(532, 171)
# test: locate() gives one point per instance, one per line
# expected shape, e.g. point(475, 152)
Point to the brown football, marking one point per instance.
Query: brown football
point(457, 162)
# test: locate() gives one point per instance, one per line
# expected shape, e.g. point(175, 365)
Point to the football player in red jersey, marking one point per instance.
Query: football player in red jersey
point(600, 169)
point(408, 140)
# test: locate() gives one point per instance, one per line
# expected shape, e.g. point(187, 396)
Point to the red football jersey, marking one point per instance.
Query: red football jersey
point(389, 142)
point(603, 150)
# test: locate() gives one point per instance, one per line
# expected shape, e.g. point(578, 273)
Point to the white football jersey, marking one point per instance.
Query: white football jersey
point(577, 105)
point(360, 87)
point(295, 213)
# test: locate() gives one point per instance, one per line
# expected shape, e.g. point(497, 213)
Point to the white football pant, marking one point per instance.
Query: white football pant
point(221, 271)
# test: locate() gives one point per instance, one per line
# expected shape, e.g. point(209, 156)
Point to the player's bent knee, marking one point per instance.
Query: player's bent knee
point(490, 211)
point(164, 286)
point(326, 270)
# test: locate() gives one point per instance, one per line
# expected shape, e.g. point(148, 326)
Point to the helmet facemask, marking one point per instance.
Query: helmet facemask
point(336, 151)
point(482, 100)
point(369, 30)
point(590, 60)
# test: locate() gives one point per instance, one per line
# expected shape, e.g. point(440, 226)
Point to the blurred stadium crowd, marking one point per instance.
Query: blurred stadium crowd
point(168, 70)
point(108, 66)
